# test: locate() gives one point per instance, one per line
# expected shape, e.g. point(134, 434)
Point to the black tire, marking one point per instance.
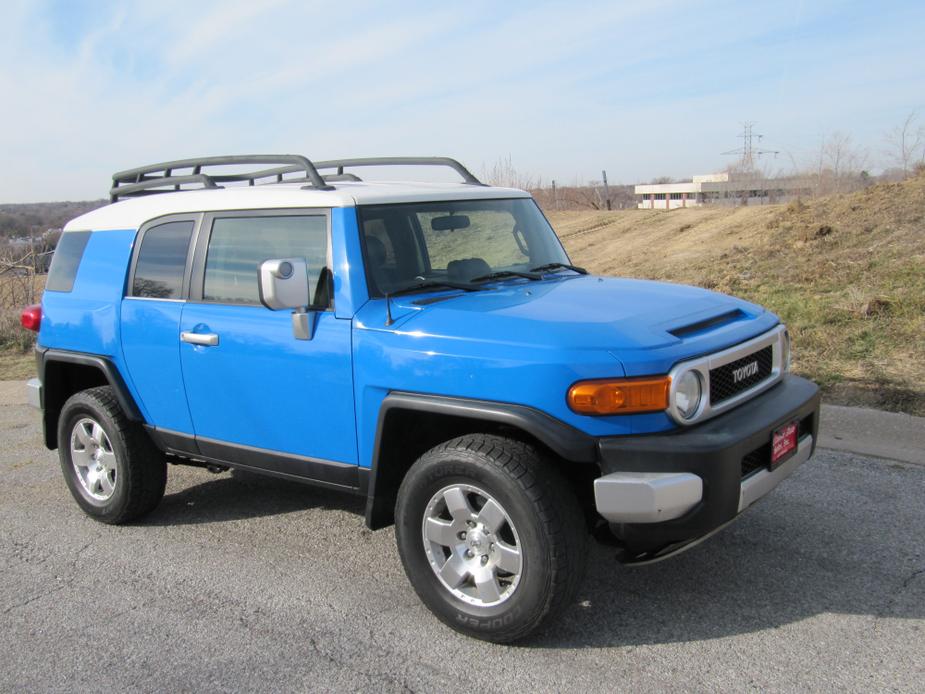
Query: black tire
point(551, 533)
point(140, 469)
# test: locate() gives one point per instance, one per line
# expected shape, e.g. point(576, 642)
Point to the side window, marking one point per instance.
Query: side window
point(162, 261)
point(66, 260)
point(238, 245)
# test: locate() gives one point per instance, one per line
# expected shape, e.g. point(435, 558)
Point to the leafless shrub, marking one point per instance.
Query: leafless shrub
point(839, 165)
point(906, 144)
point(503, 173)
point(20, 285)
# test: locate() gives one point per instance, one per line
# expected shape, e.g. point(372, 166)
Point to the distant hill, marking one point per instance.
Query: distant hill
point(19, 220)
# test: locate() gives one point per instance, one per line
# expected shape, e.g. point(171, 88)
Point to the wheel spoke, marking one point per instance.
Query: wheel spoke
point(509, 557)
point(106, 485)
point(457, 504)
point(441, 532)
point(84, 435)
point(81, 458)
point(454, 571)
point(97, 434)
point(93, 480)
point(492, 516)
point(108, 460)
point(487, 586)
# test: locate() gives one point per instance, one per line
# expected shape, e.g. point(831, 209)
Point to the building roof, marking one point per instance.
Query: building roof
point(726, 183)
point(133, 212)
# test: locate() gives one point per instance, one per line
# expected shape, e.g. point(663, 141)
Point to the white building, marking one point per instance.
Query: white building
point(720, 189)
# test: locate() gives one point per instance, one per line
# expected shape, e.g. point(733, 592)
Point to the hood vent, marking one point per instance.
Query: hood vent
point(702, 326)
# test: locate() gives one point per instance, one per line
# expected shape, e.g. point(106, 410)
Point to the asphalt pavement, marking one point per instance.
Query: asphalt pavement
point(242, 583)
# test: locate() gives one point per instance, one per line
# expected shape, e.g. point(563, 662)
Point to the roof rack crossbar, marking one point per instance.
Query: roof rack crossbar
point(340, 164)
point(145, 186)
point(126, 183)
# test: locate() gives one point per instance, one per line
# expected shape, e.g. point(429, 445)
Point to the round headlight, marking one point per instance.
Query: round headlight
point(688, 393)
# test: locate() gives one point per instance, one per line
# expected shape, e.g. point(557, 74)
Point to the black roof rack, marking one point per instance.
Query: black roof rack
point(341, 164)
point(146, 180)
point(161, 178)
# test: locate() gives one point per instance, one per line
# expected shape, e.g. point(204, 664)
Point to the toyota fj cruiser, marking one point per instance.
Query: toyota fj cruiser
point(428, 346)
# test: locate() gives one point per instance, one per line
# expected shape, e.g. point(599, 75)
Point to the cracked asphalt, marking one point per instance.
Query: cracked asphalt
point(239, 583)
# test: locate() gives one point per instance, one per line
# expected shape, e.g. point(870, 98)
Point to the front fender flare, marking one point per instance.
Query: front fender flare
point(563, 439)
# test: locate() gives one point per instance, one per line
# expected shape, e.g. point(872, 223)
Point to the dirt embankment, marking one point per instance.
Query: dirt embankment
point(846, 273)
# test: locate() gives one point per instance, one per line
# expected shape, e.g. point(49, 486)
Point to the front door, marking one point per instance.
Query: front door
point(258, 396)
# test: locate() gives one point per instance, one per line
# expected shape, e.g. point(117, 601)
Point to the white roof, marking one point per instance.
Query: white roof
point(133, 212)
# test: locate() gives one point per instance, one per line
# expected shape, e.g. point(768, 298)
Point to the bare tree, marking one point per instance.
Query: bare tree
point(838, 164)
point(502, 173)
point(906, 144)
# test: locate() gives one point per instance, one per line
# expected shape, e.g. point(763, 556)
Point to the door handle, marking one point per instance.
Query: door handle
point(204, 339)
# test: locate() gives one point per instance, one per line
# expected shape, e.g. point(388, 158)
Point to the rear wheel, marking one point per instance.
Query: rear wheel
point(490, 535)
point(113, 470)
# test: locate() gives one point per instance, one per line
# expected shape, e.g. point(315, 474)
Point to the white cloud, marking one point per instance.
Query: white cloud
point(564, 89)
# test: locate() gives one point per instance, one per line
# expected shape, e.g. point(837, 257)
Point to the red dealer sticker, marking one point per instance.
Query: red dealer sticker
point(783, 444)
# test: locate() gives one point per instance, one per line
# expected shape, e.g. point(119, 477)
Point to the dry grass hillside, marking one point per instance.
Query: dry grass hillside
point(846, 273)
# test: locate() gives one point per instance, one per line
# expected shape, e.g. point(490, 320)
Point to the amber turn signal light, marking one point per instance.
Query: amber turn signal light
point(620, 396)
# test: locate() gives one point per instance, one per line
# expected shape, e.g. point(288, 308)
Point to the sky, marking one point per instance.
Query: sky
point(563, 90)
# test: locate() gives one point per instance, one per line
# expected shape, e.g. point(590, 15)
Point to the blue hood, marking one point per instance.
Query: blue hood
point(641, 323)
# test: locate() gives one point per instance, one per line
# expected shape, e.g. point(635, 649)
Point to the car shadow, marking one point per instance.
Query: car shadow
point(239, 495)
point(766, 571)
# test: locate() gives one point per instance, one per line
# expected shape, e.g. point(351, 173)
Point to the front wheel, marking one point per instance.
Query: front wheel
point(490, 535)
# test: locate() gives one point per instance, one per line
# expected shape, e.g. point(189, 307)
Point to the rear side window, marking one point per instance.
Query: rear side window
point(238, 245)
point(66, 260)
point(162, 261)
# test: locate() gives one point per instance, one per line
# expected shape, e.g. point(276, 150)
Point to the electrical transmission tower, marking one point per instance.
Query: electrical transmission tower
point(747, 153)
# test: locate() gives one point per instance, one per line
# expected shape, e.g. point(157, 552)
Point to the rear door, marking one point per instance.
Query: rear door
point(150, 319)
point(258, 396)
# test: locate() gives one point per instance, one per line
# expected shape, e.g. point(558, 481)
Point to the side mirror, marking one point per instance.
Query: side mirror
point(283, 283)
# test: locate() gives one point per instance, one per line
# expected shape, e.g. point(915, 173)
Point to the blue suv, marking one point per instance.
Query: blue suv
point(428, 346)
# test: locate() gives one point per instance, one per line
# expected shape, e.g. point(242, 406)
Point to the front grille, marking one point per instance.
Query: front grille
point(723, 383)
point(758, 459)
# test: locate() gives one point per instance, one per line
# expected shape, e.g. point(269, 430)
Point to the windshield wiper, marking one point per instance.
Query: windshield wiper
point(430, 284)
point(502, 274)
point(437, 284)
point(559, 266)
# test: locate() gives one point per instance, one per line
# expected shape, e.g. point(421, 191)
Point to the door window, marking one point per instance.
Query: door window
point(238, 245)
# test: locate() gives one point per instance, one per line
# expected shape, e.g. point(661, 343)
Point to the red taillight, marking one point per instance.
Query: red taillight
point(31, 317)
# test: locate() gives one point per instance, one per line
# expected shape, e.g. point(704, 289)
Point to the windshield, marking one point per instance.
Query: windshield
point(408, 244)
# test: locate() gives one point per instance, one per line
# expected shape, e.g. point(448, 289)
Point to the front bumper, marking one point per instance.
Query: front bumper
point(663, 492)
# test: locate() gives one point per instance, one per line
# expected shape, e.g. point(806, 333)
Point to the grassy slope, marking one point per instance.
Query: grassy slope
point(846, 273)
point(16, 367)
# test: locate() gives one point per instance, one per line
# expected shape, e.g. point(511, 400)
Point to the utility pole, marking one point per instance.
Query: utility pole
point(555, 194)
point(747, 152)
point(606, 189)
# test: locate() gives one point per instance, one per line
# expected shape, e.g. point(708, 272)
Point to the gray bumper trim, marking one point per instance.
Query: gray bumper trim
point(646, 497)
point(653, 497)
point(34, 392)
point(759, 484)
